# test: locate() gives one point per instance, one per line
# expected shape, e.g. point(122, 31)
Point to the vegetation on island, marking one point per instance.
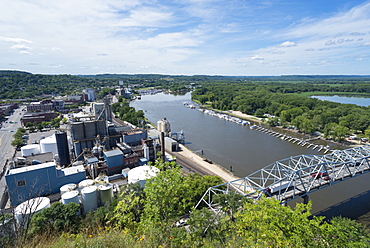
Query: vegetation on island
point(286, 107)
point(151, 217)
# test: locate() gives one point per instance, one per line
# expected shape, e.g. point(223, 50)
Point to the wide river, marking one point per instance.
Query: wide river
point(246, 151)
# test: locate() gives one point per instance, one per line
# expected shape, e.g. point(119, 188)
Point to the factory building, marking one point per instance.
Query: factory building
point(84, 134)
point(134, 136)
point(114, 160)
point(36, 180)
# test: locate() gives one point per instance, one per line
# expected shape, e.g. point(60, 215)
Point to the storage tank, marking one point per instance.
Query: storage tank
point(105, 193)
point(67, 187)
point(141, 174)
point(89, 198)
point(85, 183)
point(30, 150)
point(49, 144)
point(62, 148)
point(24, 211)
point(71, 196)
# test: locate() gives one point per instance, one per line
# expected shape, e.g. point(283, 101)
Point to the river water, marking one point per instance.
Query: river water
point(361, 101)
point(246, 151)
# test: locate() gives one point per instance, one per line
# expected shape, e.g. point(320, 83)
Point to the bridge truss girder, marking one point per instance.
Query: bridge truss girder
point(296, 177)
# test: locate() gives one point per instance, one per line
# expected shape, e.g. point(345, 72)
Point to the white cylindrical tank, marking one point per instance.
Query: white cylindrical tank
point(89, 198)
point(30, 150)
point(71, 196)
point(85, 183)
point(67, 187)
point(105, 193)
point(24, 211)
point(49, 144)
point(141, 174)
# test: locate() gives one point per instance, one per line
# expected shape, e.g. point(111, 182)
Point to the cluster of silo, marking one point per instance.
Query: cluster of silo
point(89, 193)
point(84, 134)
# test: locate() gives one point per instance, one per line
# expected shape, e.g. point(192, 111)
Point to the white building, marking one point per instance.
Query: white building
point(90, 94)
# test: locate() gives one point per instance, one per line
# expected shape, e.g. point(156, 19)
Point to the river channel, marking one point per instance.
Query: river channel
point(246, 151)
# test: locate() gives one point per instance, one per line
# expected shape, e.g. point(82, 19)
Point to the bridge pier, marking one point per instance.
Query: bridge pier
point(306, 199)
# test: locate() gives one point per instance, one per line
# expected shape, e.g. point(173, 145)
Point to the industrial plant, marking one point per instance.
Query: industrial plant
point(86, 161)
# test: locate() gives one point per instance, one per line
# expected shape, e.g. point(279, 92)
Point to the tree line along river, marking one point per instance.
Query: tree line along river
point(246, 151)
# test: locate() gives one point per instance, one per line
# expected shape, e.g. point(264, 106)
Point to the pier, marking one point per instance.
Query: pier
point(302, 142)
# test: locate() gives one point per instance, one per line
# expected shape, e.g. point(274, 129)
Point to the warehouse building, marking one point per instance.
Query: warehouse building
point(37, 180)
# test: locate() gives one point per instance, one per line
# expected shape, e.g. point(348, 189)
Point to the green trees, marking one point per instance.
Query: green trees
point(127, 113)
point(18, 140)
point(266, 223)
point(148, 217)
point(276, 98)
point(57, 218)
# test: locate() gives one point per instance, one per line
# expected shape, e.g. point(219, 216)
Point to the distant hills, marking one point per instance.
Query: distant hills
point(207, 77)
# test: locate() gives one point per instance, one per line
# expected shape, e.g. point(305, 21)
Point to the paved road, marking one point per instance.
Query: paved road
point(7, 130)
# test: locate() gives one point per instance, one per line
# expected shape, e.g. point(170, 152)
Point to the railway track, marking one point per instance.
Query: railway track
point(187, 166)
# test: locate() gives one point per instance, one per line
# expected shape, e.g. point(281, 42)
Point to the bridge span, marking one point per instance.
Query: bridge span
point(296, 177)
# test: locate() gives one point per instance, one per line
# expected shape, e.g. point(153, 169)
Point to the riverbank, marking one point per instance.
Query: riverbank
point(347, 143)
point(211, 168)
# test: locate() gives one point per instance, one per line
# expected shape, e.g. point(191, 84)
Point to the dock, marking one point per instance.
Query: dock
point(302, 142)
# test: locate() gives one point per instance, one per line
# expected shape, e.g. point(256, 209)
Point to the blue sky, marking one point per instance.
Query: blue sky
point(186, 37)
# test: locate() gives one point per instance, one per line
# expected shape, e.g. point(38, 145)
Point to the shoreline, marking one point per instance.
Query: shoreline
point(346, 143)
point(212, 169)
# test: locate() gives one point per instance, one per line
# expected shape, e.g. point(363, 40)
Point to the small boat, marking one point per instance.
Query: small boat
point(253, 127)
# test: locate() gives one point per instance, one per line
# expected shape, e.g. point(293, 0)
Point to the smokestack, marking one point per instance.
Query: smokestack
point(163, 155)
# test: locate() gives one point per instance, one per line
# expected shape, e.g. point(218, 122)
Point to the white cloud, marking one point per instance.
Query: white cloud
point(256, 57)
point(287, 44)
point(22, 49)
point(146, 17)
point(15, 40)
point(182, 36)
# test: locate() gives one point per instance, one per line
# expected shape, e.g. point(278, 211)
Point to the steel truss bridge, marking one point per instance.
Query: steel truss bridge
point(296, 177)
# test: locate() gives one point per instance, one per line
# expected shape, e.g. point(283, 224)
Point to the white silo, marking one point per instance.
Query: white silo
point(24, 211)
point(49, 144)
point(30, 150)
point(89, 198)
point(105, 193)
point(85, 183)
point(71, 196)
point(141, 174)
point(68, 187)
